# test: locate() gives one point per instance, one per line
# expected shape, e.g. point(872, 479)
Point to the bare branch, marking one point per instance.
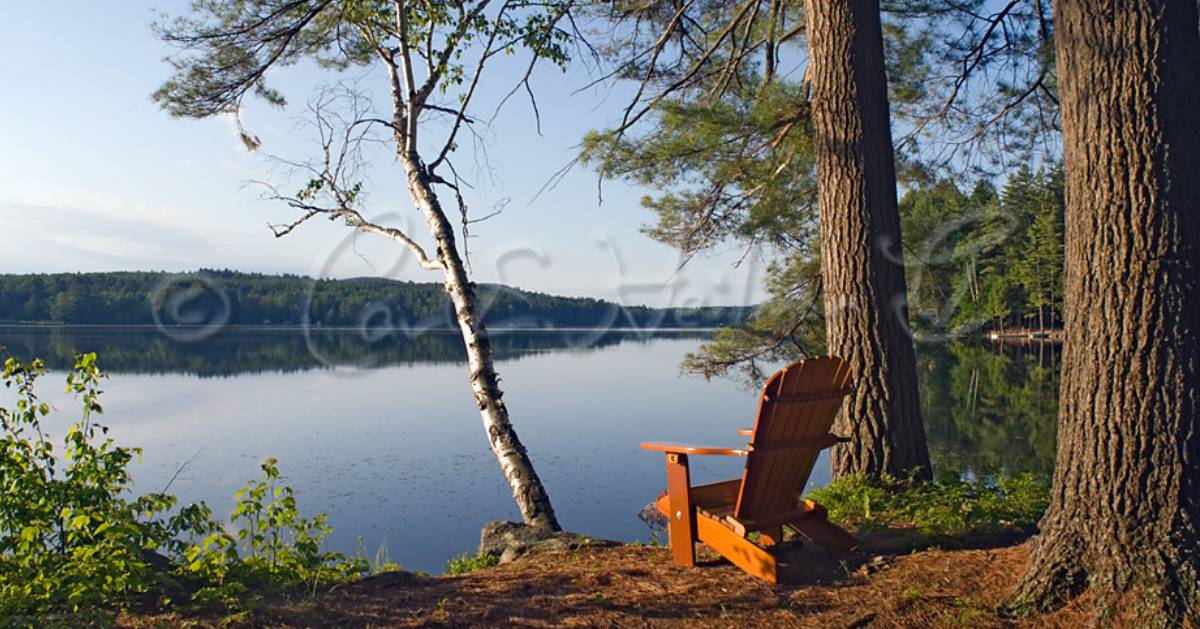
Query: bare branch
point(334, 184)
point(461, 113)
point(970, 62)
point(354, 219)
point(462, 208)
point(489, 50)
point(629, 118)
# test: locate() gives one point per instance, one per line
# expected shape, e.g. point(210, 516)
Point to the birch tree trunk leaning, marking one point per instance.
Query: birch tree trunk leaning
point(1124, 516)
point(523, 481)
point(866, 312)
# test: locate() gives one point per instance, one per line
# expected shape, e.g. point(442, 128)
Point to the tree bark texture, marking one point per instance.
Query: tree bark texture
point(862, 268)
point(523, 481)
point(1122, 520)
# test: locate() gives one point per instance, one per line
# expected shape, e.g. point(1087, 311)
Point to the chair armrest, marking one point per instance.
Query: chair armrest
point(688, 448)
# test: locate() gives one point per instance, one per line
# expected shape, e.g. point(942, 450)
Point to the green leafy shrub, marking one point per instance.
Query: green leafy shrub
point(74, 538)
point(70, 539)
point(470, 562)
point(950, 506)
point(272, 547)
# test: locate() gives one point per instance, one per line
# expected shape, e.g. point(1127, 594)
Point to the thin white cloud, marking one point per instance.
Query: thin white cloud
point(72, 238)
point(98, 205)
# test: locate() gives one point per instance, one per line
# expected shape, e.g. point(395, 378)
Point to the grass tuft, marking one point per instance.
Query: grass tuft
point(470, 562)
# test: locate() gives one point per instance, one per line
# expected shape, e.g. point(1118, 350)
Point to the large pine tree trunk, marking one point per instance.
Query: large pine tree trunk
point(1126, 500)
point(862, 270)
point(523, 481)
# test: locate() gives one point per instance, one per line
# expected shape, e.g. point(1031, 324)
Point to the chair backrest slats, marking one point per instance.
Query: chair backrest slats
point(798, 404)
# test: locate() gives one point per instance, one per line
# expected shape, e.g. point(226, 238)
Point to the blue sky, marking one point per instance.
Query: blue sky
point(93, 176)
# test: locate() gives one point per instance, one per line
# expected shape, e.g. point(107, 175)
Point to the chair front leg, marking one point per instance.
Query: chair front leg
point(681, 526)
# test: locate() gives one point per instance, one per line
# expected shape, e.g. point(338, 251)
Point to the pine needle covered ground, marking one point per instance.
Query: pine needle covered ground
point(637, 586)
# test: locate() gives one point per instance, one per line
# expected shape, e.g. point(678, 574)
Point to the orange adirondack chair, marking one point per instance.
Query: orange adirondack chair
point(795, 413)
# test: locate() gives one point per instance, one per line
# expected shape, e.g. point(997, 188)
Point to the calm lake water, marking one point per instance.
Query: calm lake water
point(383, 436)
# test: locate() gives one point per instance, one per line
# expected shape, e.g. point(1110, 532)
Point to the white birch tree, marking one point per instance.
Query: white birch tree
point(225, 49)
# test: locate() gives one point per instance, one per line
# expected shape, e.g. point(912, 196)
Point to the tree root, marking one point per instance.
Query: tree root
point(1159, 589)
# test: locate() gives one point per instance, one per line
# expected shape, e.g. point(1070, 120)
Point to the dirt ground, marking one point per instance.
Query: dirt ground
point(635, 586)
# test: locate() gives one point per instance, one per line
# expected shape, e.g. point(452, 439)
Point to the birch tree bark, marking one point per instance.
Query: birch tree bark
point(862, 268)
point(523, 481)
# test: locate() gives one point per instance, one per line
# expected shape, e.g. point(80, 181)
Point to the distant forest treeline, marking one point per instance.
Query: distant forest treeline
point(209, 297)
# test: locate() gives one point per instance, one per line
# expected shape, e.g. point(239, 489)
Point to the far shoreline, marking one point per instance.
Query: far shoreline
point(273, 327)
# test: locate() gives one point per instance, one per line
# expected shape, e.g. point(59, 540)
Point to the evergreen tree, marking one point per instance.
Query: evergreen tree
point(986, 261)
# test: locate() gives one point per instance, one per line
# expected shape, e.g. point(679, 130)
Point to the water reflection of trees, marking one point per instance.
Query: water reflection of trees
point(236, 351)
point(986, 408)
point(989, 408)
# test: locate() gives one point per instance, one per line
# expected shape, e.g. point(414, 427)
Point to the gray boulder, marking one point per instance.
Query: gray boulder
point(509, 540)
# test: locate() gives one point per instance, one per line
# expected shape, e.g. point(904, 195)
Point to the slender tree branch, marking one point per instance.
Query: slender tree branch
point(355, 219)
point(461, 114)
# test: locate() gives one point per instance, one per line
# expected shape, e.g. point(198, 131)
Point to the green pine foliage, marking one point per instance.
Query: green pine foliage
point(226, 47)
point(790, 323)
point(977, 261)
point(721, 132)
point(985, 261)
point(736, 170)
